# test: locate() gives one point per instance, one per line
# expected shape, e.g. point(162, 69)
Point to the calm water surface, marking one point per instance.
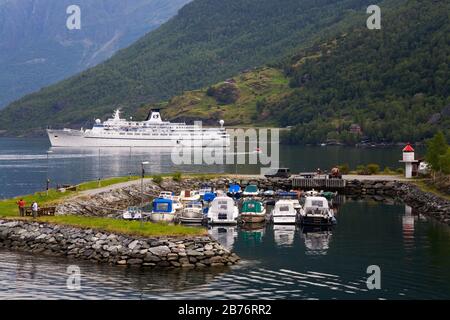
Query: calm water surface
point(24, 166)
point(278, 263)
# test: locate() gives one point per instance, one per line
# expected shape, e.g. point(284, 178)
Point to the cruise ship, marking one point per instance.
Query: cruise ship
point(153, 132)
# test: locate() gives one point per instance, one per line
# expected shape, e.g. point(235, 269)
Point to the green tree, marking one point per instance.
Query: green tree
point(437, 148)
point(445, 162)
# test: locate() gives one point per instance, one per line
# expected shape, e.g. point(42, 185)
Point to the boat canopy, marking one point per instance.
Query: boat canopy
point(234, 188)
point(287, 195)
point(209, 196)
point(316, 202)
point(251, 188)
point(222, 204)
point(162, 205)
point(251, 206)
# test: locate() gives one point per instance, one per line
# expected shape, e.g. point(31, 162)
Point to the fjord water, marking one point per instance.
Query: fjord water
point(413, 254)
point(24, 166)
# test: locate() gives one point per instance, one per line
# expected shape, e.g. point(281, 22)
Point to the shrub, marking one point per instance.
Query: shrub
point(361, 169)
point(157, 179)
point(176, 176)
point(373, 168)
point(388, 170)
point(400, 171)
point(344, 168)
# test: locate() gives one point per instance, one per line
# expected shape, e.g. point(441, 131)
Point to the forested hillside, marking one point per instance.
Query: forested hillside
point(386, 85)
point(208, 41)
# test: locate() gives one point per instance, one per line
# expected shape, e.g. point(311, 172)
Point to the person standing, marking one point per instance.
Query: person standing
point(21, 203)
point(35, 208)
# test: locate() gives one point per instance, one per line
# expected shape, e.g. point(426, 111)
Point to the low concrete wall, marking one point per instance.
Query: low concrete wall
point(88, 244)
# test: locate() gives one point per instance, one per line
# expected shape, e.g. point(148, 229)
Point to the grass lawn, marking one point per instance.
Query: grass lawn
point(147, 229)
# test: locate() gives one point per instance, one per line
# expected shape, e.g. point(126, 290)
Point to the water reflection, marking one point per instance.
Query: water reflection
point(408, 228)
point(284, 235)
point(253, 233)
point(225, 235)
point(317, 239)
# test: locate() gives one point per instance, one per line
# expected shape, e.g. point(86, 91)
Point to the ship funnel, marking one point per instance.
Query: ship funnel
point(154, 116)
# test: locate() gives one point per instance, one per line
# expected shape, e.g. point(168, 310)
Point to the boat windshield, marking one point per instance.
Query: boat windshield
point(317, 203)
point(251, 207)
point(284, 208)
point(162, 207)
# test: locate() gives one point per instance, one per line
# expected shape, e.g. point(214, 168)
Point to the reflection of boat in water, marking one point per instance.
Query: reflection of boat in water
point(225, 235)
point(253, 232)
point(284, 235)
point(317, 239)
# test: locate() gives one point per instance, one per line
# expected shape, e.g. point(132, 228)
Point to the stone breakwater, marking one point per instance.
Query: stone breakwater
point(104, 247)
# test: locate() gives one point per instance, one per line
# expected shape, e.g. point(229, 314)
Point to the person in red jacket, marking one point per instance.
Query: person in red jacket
point(21, 203)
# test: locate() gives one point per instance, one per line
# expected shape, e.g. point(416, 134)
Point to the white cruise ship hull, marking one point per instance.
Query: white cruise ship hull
point(74, 138)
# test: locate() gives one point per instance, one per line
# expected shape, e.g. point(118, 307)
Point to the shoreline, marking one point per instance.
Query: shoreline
point(169, 250)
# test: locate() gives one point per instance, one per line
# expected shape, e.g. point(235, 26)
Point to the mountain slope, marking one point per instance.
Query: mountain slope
point(389, 85)
point(36, 48)
point(208, 41)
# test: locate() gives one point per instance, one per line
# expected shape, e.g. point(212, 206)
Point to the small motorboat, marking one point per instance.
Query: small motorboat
point(284, 212)
point(165, 194)
point(223, 210)
point(293, 197)
point(251, 191)
point(253, 211)
point(312, 193)
point(132, 213)
point(316, 212)
point(204, 188)
point(192, 213)
point(328, 194)
point(189, 195)
point(162, 210)
point(268, 193)
point(234, 191)
point(177, 204)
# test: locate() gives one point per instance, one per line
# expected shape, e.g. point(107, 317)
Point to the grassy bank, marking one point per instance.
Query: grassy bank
point(146, 229)
point(427, 188)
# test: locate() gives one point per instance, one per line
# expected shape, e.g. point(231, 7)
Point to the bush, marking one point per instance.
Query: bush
point(373, 168)
point(344, 168)
point(176, 176)
point(157, 179)
point(400, 171)
point(361, 169)
point(388, 170)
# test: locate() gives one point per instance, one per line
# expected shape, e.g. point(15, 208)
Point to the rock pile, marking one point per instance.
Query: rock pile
point(104, 247)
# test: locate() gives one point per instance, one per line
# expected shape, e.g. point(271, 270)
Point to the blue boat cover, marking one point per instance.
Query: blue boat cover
point(287, 194)
point(209, 196)
point(234, 188)
point(162, 205)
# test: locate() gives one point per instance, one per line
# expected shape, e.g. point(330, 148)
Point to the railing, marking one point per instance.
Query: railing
point(300, 182)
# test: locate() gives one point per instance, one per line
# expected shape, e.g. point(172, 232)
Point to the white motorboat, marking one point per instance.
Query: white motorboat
point(192, 213)
point(284, 212)
point(189, 195)
point(132, 213)
point(166, 194)
point(316, 212)
point(251, 191)
point(162, 210)
point(223, 210)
